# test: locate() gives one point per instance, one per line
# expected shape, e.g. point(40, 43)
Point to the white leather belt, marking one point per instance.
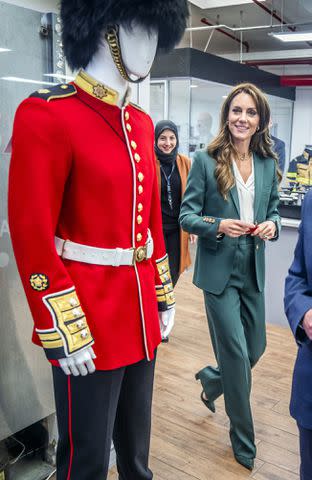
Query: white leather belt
point(104, 256)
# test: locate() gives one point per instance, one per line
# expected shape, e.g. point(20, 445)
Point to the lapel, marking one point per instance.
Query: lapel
point(258, 169)
point(234, 195)
point(235, 199)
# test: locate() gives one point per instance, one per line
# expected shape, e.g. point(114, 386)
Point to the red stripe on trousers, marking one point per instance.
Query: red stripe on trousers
point(70, 433)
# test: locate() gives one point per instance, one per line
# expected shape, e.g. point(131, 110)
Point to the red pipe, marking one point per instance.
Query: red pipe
point(273, 14)
point(246, 44)
point(296, 80)
point(288, 61)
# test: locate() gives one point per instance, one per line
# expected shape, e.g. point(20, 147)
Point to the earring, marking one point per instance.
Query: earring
point(258, 128)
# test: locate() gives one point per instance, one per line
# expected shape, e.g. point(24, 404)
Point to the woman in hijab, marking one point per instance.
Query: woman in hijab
point(172, 171)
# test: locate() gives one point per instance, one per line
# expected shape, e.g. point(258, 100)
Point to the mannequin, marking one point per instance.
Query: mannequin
point(138, 62)
point(91, 253)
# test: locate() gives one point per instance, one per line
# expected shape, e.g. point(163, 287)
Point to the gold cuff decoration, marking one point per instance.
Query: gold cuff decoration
point(71, 332)
point(164, 292)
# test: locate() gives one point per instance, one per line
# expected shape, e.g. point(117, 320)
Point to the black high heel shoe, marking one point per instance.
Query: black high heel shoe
point(245, 461)
point(208, 403)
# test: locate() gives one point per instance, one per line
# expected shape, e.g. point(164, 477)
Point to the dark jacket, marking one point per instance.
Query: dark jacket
point(280, 149)
point(298, 300)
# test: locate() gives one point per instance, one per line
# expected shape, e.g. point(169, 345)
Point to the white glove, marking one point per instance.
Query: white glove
point(80, 363)
point(166, 322)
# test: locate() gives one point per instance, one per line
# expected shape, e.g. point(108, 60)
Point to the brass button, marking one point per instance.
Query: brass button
point(140, 189)
point(137, 157)
point(80, 324)
point(140, 177)
point(139, 219)
point(84, 334)
point(140, 207)
point(73, 302)
point(64, 87)
point(76, 312)
point(43, 90)
point(133, 144)
point(127, 115)
point(139, 237)
point(128, 127)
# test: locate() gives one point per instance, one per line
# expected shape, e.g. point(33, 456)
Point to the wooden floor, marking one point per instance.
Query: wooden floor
point(189, 442)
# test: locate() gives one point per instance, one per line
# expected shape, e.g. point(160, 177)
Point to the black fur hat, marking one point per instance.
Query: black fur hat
point(85, 20)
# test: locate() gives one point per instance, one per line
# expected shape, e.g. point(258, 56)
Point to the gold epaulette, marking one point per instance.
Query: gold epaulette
point(62, 90)
point(138, 107)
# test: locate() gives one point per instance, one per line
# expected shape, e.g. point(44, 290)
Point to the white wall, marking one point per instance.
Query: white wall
point(39, 5)
point(302, 121)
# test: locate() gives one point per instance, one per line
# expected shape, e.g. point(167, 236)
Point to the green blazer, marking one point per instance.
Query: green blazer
point(202, 209)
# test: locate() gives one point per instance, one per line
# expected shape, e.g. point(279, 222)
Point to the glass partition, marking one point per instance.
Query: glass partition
point(26, 57)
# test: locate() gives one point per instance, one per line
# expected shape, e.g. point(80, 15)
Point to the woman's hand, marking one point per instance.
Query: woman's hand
point(193, 238)
point(234, 228)
point(265, 230)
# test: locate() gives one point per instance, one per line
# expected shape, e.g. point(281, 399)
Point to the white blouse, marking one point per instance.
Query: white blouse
point(246, 193)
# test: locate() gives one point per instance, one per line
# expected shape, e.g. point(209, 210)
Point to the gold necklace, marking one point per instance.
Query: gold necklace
point(243, 156)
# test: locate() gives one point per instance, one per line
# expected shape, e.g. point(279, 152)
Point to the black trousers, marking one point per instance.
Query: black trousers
point(305, 436)
point(93, 410)
point(172, 242)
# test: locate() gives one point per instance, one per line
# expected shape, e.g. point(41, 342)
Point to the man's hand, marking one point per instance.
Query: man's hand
point(307, 323)
point(234, 228)
point(166, 322)
point(80, 363)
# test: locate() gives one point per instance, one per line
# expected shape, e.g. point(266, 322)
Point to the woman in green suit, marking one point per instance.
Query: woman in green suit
point(231, 203)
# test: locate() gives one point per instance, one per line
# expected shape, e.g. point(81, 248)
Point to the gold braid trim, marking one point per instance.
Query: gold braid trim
point(164, 292)
point(71, 331)
point(112, 39)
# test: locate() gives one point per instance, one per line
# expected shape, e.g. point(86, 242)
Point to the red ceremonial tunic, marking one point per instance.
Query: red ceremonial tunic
point(84, 170)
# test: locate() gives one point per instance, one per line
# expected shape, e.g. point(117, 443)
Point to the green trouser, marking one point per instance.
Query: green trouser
point(236, 322)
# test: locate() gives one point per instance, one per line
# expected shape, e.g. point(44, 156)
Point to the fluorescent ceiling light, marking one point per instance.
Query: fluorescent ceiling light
point(293, 36)
point(193, 86)
point(220, 3)
point(62, 77)
point(5, 50)
point(26, 80)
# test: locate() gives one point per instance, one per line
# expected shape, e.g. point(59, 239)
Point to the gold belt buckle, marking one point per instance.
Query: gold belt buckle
point(139, 254)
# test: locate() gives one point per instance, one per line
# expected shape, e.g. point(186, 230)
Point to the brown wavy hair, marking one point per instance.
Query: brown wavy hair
point(222, 148)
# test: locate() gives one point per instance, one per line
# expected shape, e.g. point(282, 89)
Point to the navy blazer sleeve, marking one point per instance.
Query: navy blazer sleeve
point(279, 148)
point(298, 291)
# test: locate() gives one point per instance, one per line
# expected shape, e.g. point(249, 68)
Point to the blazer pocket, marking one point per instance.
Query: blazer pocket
point(208, 243)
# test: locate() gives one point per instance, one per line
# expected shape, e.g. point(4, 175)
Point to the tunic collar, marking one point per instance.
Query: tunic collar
point(98, 90)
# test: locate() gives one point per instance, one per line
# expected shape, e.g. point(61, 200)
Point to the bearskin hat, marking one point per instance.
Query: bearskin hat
point(84, 21)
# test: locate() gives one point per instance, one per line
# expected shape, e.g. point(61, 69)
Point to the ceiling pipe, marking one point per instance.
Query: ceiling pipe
point(288, 61)
point(277, 17)
point(206, 22)
point(296, 80)
point(274, 15)
point(210, 26)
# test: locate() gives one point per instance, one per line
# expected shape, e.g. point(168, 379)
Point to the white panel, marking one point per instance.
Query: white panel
point(219, 3)
point(39, 5)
